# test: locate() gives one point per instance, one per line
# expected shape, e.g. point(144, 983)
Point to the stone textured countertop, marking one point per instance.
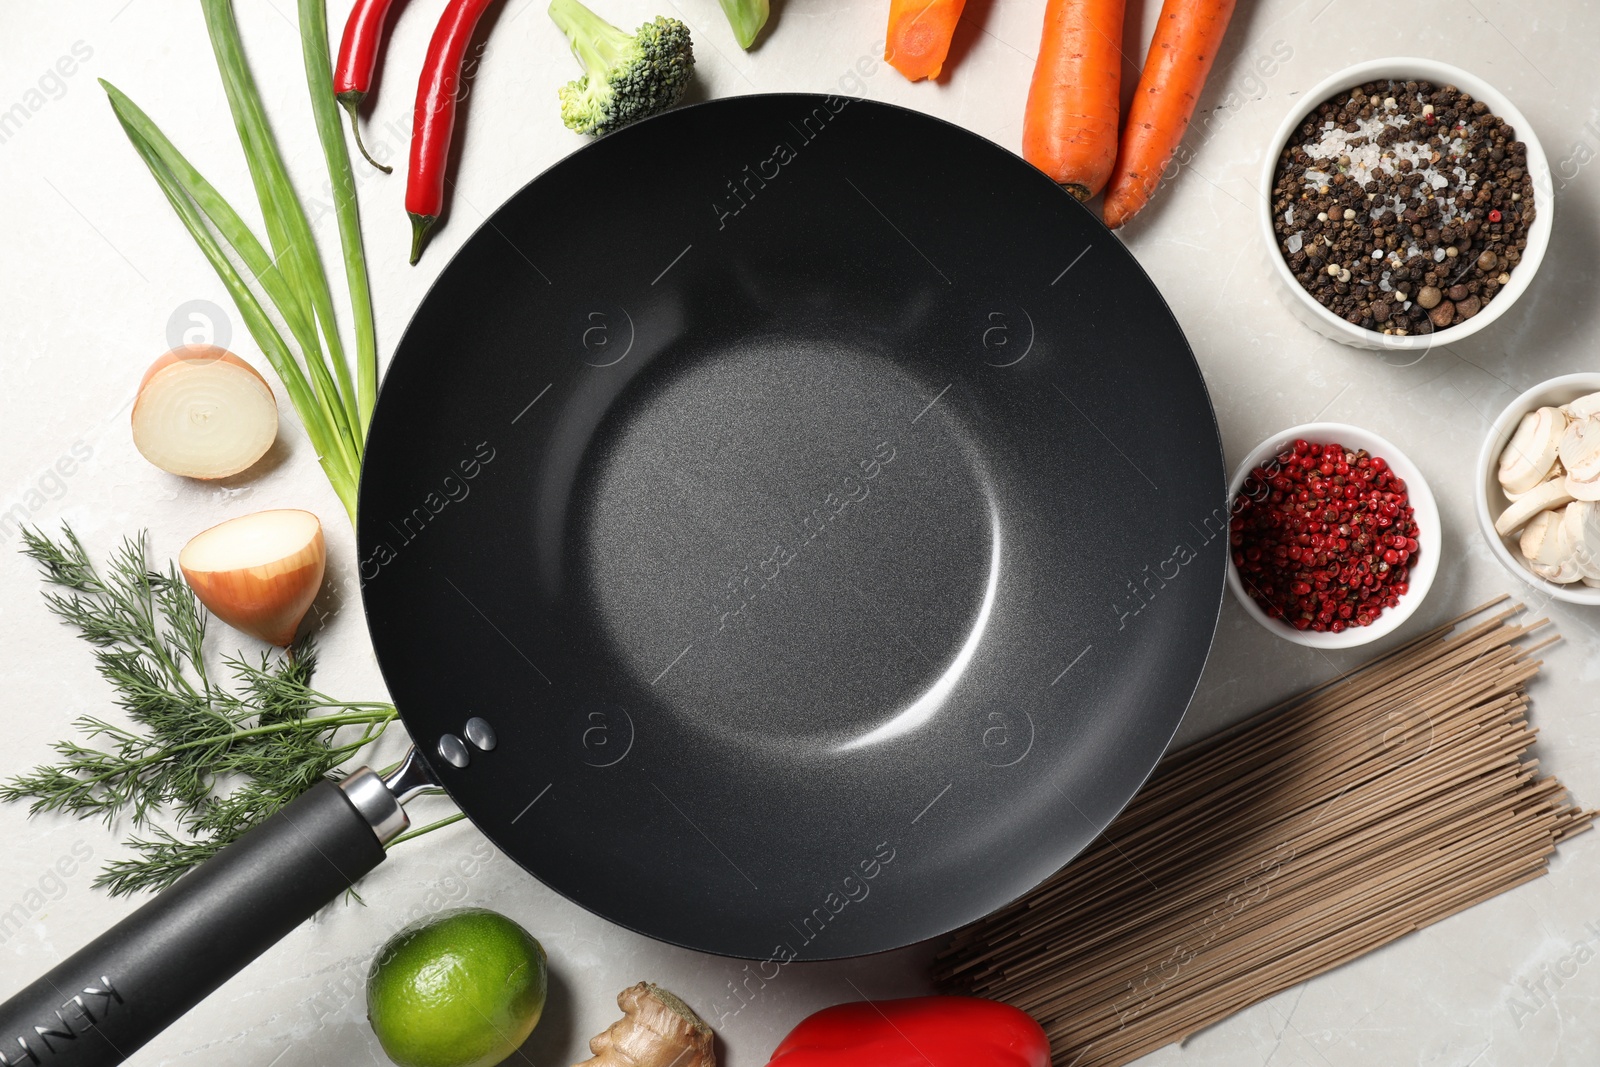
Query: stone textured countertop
point(96, 271)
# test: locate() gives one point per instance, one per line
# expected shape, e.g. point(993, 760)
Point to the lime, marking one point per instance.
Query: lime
point(460, 989)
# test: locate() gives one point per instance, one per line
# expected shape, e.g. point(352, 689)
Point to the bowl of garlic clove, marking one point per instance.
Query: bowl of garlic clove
point(1538, 497)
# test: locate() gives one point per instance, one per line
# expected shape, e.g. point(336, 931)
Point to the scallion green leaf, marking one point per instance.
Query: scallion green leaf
point(335, 407)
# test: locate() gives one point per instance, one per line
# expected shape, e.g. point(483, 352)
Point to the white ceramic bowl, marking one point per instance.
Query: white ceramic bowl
point(1491, 501)
point(1428, 537)
point(1403, 68)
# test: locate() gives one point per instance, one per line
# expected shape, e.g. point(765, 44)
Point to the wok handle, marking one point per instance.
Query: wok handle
point(127, 985)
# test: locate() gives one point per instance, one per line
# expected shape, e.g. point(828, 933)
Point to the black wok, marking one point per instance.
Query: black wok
point(791, 528)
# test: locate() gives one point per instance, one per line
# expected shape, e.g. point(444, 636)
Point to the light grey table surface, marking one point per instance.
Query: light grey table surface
point(95, 269)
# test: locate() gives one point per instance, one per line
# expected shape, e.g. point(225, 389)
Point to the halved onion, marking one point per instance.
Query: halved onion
point(202, 412)
point(258, 573)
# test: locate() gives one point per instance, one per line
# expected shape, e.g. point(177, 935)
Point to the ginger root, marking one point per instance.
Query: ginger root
point(656, 1030)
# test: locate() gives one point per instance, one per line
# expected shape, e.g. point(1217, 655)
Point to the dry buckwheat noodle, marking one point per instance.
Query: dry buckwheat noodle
point(1370, 806)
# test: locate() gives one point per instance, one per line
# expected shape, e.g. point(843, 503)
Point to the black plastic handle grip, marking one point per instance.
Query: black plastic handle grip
point(130, 983)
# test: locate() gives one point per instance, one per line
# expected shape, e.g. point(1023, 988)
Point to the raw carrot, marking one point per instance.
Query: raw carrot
point(1181, 53)
point(919, 35)
point(1069, 130)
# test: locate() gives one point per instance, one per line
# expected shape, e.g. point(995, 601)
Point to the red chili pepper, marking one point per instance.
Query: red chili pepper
point(920, 1032)
point(358, 56)
point(435, 116)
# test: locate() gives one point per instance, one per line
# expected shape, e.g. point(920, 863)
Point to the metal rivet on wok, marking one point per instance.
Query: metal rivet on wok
point(454, 752)
point(480, 733)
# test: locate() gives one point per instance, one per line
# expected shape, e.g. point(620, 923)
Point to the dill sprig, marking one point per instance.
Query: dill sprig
point(201, 762)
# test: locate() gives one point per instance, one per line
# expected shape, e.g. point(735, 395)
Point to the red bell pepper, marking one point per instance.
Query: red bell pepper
point(920, 1032)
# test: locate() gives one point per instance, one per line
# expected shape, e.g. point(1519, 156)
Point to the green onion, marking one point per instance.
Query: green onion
point(291, 279)
point(319, 78)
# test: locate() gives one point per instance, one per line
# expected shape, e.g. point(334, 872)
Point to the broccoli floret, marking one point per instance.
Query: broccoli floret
point(626, 77)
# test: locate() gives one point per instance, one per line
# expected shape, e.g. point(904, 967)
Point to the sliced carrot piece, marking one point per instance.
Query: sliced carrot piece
point(919, 35)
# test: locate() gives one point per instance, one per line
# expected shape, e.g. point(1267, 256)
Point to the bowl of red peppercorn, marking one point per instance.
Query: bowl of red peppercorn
point(1333, 535)
point(1409, 205)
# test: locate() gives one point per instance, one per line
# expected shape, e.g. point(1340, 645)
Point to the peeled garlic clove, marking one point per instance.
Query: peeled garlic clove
point(1593, 583)
point(1539, 542)
point(1579, 451)
point(1545, 497)
point(1583, 407)
point(1532, 450)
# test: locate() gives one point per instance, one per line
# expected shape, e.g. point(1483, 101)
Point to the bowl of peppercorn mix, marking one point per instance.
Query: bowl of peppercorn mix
point(1333, 535)
point(1408, 207)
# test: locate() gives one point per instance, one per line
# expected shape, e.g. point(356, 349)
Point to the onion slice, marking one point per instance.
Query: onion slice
point(202, 412)
point(258, 573)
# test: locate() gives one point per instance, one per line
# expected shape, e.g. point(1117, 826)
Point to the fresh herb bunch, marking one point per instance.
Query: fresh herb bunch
point(207, 760)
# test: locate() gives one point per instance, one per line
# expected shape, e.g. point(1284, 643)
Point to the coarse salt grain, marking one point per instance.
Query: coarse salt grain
point(1365, 156)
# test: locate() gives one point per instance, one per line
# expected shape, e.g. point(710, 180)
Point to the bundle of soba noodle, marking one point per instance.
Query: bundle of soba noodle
point(1366, 808)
